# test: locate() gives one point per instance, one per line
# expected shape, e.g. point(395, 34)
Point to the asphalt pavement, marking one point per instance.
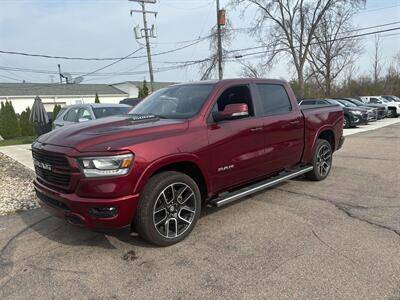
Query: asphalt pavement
point(339, 238)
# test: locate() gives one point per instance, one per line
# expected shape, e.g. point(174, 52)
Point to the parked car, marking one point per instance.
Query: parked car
point(391, 98)
point(131, 101)
point(73, 114)
point(211, 142)
point(393, 106)
point(372, 112)
point(352, 116)
point(381, 108)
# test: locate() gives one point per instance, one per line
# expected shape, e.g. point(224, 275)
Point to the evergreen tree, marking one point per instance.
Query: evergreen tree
point(96, 99)
point(9, 124)
point(143, 90)
point(27, 127)
point(56, 110)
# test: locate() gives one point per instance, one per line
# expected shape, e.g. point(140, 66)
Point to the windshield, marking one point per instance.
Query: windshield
point(335, 102)
point(347, 103)
point(397, 99)
point(358, 102)
point(391, 98)
point(175, 102)
point(102, 112)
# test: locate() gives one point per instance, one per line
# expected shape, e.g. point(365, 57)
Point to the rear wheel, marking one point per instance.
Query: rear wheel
point(322, 161)
point(168, 209)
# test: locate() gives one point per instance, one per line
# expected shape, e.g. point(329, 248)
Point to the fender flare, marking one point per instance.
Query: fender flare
point(167, 160)
point(322, 129)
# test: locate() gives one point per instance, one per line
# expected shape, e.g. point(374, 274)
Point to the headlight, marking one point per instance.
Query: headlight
point(106, 165)
point(357, 112)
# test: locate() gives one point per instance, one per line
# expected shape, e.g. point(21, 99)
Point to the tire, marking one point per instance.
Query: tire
point(322, 161)
point(392, 113)
point(168, 209)
point(346, 122)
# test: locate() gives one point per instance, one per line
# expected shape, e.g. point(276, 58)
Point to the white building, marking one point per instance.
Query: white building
point(132, 87)
point(22, 95)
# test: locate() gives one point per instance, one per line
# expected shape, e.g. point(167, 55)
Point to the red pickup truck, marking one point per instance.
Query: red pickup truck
point(185, 146)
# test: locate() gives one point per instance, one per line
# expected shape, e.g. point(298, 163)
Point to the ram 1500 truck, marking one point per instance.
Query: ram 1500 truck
point(183, 147)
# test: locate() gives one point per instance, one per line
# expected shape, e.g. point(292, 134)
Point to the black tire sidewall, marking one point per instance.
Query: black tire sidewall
point(347, 124)
point(144, 224)
point(314, 174)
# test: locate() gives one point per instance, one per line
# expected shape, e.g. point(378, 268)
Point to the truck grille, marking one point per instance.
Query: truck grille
point(52, 169)
point(51, 159)
point(52, 177)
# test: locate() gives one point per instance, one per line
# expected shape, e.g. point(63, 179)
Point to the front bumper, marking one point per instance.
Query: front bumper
point(77, 210)
point(358, 119)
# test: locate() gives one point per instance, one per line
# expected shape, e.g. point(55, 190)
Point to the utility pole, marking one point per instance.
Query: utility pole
point(220, 22)
point(147, 32)
point(59, 72)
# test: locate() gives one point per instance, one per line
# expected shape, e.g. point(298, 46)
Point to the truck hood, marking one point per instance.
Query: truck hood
point(112, 133)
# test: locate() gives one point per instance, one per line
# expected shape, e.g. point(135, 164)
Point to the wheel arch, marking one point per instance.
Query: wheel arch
point(328, 135)
point(187, 163)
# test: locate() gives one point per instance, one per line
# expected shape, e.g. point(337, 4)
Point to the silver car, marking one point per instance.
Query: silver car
point(73, 114)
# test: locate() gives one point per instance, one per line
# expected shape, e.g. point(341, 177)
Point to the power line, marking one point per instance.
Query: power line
point(343, 32)
point(181, 64)
point(113, 63)
point(100, 58)
point(315, 43)
point(8, 77)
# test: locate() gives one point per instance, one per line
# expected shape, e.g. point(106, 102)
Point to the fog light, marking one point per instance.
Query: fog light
point(103, 212)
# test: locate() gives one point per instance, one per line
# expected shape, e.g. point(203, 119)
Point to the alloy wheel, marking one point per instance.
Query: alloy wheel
point(324, 160)
point(174, 210)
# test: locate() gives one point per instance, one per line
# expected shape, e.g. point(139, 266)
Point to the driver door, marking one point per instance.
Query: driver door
point(237, 145)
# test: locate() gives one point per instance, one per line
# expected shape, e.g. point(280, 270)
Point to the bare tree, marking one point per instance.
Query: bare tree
point(208, 69)
point(250, 70)
point(293, 25)
point(334, 48)
point(377, 59)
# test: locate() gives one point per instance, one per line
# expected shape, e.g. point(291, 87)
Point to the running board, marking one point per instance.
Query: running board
point(259, 186)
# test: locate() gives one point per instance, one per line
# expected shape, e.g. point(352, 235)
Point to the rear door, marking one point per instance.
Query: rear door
point(283, 127)
point(236, 146)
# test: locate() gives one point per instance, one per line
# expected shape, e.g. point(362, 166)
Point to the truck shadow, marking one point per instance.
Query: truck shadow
point(58, 230)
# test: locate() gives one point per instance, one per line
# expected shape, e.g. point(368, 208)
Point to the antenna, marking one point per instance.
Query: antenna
point(67, 76)
point(78, 80)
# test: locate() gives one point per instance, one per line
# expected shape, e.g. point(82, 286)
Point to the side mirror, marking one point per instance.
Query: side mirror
point(232, 111)
point(83, 120)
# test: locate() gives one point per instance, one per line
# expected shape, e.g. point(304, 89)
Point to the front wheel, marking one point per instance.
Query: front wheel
point(346, 122)
point(392, 113)
point(322, 161)
point(168, 209)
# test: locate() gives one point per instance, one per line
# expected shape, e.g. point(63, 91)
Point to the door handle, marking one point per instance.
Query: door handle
point(254, 129)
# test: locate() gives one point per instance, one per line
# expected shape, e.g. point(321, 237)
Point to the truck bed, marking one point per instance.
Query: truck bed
point(318, 118)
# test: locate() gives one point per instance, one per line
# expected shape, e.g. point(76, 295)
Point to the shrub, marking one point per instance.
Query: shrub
point(9, 124)
point(27, 127)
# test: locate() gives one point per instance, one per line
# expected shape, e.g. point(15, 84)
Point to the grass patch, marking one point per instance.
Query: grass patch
point(18, 141)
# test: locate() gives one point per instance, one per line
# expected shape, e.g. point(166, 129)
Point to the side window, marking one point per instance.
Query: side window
point(308, 102)
point(232, 95)
point(374, 100)
point(321, 102)
point(72, 115)
point(84, 113)
point(274, 99)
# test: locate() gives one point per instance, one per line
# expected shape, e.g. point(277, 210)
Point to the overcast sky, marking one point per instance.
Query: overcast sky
point(98, 28)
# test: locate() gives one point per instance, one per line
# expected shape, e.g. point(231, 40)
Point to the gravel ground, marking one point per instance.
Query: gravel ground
point(16, 190)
